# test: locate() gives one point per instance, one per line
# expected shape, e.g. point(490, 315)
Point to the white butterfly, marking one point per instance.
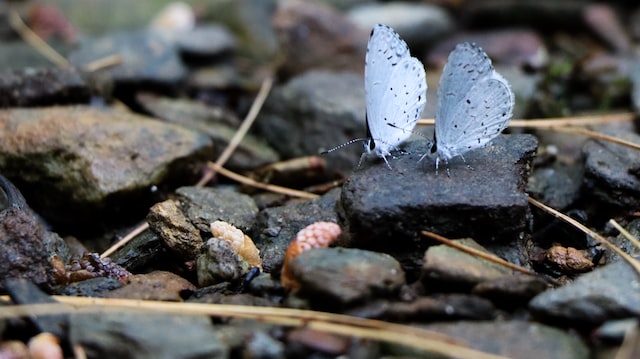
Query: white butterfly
point(475, 104)
point(395, 88)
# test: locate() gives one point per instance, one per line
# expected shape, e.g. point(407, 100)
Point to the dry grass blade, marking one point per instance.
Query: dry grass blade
point(34, 40)
point(598, 136)
point(327, 322)
point(635, 264)
point(131, 235)
point(559, 122)
point(625, 233)
point(99, 64)
point(265, 88)
point(568, 125)
point(269, 187)
point(477, 253)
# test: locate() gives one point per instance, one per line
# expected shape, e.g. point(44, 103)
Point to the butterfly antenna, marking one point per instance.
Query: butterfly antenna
point(343, 145)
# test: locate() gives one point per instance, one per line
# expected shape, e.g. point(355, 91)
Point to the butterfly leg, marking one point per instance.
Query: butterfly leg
point(387, 162)
point(446, 164)
point(465, 162)
point(364, 154)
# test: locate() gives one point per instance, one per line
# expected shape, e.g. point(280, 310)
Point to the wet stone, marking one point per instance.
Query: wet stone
point(339, 277)
point(42, 86)
point(94, 287)
point(227, 293)
point(623, 243)
point(314, 112)
point(207, 41)
point(515, 46)
point(419, 24)
point(447, 268)
point(176, 231)
point(147, 57)
point(219, 123)
point(253, 20)
point(557, 185)
point(387, 209)
point(141, 253)
point(23, 291)
point(276, 227)
point(544, 15)
point(612, 172)
point(516, 339)
point(220, 262)
point(206, 205)
point(184, 222)
point(157, 285)
point(146, 336)
point(614, 331)
point(436, 308)
point(609, 292)
point(27, 245)
point(315, 36)
point(93, 164)
point(511, 292)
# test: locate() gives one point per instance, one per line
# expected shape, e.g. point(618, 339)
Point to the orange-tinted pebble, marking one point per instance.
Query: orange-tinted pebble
point(45, 346)
point(316, 235)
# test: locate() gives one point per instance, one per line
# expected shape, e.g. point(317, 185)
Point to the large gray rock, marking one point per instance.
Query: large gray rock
point(387, 209)
point(610, 292)
point(611, 170)
point(516, 339)
point(314, 112)
point(80, 165)
point(146, 335)
point(335, 277)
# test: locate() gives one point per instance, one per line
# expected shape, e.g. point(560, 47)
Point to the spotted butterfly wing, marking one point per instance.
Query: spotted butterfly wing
point(475, 103)
point(395, 88)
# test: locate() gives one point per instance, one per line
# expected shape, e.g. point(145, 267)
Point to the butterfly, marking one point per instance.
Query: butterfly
point(395, 89)
point(475, 104)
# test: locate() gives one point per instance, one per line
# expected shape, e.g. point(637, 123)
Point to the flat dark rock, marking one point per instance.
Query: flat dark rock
point(386, 209)
point(338, 277)
point(609, 292)
point(612, 172)
point(42, 86)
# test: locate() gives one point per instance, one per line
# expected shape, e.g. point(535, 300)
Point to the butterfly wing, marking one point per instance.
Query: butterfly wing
point(404, 101)
point(483, 114)
point(475, 103)
point(467, 64)
point(385, 52)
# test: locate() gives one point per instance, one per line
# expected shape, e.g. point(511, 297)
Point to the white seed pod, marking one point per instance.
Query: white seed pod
point(239, 241)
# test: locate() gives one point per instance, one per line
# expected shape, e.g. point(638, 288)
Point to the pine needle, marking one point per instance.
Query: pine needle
point(326, 322)
point(477, 253)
